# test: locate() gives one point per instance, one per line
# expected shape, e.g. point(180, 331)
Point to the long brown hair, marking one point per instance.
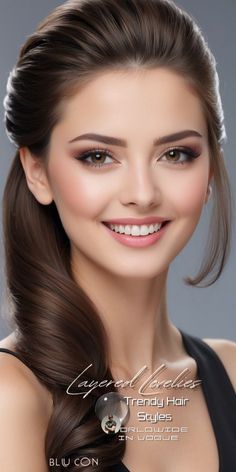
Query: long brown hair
point(59, 329)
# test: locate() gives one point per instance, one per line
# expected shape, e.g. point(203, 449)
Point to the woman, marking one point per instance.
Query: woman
point(115, 112)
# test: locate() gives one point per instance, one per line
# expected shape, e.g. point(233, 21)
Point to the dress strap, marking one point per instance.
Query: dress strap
point(9, 351)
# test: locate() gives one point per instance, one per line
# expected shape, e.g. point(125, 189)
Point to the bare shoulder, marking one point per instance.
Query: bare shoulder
point(10, 363)
point(24, 417)
point(226, 351)
point(14, 373)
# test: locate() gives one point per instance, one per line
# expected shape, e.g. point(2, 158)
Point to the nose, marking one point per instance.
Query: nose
point(140, 185)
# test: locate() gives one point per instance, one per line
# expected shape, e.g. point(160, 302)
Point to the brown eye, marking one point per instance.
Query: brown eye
point(97, 158)
point(173, 156)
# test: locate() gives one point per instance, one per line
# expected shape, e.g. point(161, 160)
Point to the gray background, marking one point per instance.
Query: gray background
point(208, 312)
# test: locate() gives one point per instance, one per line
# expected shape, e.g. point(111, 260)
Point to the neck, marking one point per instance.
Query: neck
point(134, 314)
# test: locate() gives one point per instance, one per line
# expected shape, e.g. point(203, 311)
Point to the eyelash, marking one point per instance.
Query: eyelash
point(190, 153)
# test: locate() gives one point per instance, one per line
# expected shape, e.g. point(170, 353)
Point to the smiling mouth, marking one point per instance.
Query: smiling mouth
point(136, 230)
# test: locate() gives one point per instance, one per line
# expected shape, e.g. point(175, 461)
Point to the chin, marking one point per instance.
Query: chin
point(138, 271)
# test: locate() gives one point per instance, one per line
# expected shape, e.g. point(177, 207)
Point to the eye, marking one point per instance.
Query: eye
point(173, 155)
point(97, 156)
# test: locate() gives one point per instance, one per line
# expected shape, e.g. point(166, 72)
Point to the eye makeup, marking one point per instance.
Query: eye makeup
point(189, 154)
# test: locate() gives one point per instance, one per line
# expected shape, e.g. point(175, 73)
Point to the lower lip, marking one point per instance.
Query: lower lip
point(138, 241)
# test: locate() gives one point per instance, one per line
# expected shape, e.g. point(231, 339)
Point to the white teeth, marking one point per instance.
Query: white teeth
point(136, 230)
point(127, 229)
point(121, 229)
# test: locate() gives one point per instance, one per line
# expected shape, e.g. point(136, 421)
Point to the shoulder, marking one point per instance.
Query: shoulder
point(226, 351)
point(12, 367)
point(24, 417)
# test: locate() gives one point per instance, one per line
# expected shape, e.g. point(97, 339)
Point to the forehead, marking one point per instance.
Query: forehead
point(137, 100)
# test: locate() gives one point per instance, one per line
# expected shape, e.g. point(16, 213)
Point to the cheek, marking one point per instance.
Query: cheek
point(186, 199)
point(78, 194)
point(191, 200)
point(188, 194)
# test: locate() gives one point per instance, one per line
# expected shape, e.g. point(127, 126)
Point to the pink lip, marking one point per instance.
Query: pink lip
point(137, 221)
point(137, 241)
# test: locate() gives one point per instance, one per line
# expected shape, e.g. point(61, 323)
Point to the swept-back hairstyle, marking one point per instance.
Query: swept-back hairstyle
point(59, 328)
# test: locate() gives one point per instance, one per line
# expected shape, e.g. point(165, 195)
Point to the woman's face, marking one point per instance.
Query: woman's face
point(134, 180)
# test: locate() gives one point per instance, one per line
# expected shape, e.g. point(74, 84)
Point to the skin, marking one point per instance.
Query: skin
point(128, 285)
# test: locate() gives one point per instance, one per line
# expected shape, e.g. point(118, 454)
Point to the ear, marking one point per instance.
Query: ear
point(36, 176)
point(211, 174)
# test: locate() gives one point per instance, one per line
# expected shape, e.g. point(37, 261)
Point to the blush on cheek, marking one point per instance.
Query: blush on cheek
point(81, 194)
point(189, 199)
point(195, 198)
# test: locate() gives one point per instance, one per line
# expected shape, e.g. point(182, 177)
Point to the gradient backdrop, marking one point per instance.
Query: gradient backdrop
point(208, 312)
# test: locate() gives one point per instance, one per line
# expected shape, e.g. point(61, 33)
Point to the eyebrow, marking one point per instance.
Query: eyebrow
point(123, 143)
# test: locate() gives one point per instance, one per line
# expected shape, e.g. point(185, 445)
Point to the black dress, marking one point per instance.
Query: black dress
point(220, 399)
